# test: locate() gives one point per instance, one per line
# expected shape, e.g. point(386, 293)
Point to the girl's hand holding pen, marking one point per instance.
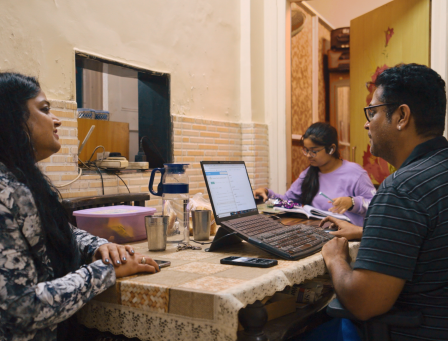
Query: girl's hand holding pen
point(341, 205)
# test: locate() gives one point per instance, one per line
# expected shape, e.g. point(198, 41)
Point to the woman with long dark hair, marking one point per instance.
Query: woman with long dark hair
point(345, 182)
point(48, 268)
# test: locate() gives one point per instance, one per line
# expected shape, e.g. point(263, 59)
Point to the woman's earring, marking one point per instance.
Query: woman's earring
point(399, 127)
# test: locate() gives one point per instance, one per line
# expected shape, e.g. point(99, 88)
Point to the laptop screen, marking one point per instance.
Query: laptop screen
point(229, 189)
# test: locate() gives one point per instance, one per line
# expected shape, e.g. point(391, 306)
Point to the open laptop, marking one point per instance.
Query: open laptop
point(234, 207)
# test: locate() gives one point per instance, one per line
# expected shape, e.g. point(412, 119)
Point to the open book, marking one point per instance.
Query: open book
point(312, 212)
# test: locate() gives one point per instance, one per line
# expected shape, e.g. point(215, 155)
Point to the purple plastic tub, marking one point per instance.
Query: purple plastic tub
point(118, 224)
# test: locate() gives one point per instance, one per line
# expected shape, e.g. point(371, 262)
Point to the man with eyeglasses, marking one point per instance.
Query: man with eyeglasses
point(403, 257)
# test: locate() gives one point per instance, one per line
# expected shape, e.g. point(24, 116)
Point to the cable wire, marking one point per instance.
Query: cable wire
point(93, 153)
point(75, 179)
point(80, 170)
point(87, 165)
point(123, 182)
point(101, 175)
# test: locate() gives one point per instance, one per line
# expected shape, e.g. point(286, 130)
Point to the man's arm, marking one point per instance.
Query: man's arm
point(364, 293)
point(343, 228)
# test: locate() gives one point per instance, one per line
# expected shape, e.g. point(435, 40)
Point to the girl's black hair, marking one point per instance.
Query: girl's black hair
point(17, 155)
point(323, 135)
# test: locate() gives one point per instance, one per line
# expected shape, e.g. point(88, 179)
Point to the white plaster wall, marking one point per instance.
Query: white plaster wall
point(439, 42)
point(340, 12)
point(257, 60)
point(196, 41)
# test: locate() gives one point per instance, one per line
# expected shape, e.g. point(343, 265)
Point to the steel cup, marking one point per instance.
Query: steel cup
point(201, 224)
point(156, 232)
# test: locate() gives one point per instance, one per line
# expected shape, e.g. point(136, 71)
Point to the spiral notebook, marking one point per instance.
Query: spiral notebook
point(312, 212)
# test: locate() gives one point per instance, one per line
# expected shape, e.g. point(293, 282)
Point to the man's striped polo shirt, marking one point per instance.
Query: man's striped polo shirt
point(406, 236)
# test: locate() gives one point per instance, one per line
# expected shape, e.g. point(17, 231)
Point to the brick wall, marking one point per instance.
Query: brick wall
point(194, 140)
point(197, 139)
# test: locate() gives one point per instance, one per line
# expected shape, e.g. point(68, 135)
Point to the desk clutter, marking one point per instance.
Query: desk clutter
point(197, 297)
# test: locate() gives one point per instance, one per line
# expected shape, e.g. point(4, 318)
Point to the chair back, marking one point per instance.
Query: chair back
point(377, 328)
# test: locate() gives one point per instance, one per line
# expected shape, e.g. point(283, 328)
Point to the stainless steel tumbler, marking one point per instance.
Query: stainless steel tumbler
point(201, 224)
point(156, 232)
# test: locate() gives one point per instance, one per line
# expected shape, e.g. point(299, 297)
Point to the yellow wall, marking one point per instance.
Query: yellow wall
point(410, 21)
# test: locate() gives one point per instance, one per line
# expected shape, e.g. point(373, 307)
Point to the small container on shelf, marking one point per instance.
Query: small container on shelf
point(86, 113)
point(102, 115)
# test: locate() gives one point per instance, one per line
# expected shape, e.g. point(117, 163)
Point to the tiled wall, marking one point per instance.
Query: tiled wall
point(194, 140)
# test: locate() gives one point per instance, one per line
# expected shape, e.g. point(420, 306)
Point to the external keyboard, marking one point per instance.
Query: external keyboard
point(289, 242)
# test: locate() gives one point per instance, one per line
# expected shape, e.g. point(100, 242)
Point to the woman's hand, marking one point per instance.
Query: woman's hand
point(118, 254)
point(261, 192)
point(343, 228)
point(136, 263)
point(341, 205)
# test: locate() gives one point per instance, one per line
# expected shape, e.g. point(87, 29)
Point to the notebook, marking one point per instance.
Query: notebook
point(234, 208)
point(313, 212)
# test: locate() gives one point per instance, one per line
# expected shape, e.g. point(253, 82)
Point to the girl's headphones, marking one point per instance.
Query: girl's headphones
point(331, 151)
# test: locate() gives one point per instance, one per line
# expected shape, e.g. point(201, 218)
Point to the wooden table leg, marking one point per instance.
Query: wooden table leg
point(253, 318)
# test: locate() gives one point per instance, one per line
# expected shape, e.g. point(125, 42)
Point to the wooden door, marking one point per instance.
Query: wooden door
point(340, 110)
point(113, 136)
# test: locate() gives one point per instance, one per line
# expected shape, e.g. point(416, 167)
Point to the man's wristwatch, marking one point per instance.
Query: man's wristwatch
point(353, 204)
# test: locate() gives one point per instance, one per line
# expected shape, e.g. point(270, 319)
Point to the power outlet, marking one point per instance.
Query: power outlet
point(102, 156)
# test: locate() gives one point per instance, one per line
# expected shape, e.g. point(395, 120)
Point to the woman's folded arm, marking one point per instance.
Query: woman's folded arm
point(26, 304)
point(87, 243)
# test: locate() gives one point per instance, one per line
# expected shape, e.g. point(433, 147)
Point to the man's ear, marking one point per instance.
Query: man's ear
point(404, 117)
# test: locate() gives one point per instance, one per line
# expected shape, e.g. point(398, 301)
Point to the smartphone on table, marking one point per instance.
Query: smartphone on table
point(162, 263)
point(246, 261)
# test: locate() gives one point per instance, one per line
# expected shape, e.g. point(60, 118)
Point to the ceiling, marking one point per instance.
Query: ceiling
point(340, 12)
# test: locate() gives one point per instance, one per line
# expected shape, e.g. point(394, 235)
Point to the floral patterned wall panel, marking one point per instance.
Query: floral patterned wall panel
point(301, 85)
point(301, 78)
point(324, 36)
point(397, 32)
point(301, 91)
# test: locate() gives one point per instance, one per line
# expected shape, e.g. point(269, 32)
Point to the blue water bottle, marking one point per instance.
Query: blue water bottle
point(173, 188)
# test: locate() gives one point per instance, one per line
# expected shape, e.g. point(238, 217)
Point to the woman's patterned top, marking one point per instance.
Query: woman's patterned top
point(32, 302)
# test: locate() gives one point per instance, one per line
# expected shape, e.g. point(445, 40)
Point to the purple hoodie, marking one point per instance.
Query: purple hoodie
point(349, 180)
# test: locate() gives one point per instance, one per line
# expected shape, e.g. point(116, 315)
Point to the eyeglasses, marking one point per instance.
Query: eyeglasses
point(312, 153)
point(369, 113)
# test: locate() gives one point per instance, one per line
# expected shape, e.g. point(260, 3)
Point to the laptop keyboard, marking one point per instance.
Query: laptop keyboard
point(294, 242)
point(253, 225)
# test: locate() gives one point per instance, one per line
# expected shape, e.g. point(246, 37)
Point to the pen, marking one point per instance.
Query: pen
point(326, 197)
